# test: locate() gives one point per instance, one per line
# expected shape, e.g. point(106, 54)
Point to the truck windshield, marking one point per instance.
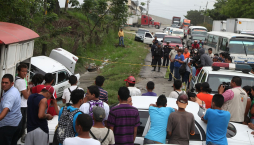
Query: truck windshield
point(237, 47)
point(215, 80)
point(188, 24)
point(177, 32)
point(199, 33)
point(142, 31)
point(198, 38)
point(159, 35)
point(172, 40)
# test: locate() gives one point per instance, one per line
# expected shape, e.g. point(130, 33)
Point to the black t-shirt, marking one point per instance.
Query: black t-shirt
point(155, 41)
point(33, 121)
point(166, 49)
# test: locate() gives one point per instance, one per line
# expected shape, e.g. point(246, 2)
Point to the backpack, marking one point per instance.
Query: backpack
point(182, 68)
point(94, 103)
point(97, 139)
point(65, 125)
point(69, 103)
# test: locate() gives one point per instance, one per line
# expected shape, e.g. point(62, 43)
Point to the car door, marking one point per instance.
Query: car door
point(200, 136)
point(143, 127)
point(62, 82)
point(197, 79)
point(148, 38)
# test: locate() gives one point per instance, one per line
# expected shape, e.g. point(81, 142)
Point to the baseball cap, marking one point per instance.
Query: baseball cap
point(98, 113)
point(51, 90)
point(182, 101)
point(130, 79)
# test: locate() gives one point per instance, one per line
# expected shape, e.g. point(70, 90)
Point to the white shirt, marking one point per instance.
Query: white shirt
point(20, 84)
point(211, 55)
point(80, 141)
point(175, 95)
point(187, 67)
point(134, 91)
point(67, 94)
point(85, 109)
point(100, 134)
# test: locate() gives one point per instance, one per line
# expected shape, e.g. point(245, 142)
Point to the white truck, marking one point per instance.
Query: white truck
point(236, 25)
point(219, 25)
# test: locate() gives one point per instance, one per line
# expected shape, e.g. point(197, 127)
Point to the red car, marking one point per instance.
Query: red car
point(173, 41)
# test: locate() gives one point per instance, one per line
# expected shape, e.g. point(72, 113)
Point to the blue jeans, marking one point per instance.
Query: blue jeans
point(172, 64)
point(121, 40)
point(210, 143)
point(176, 73)
point(193, 71)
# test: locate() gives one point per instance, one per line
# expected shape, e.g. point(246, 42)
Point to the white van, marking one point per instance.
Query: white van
point(178, 32)
point(196, 30)
point(239, 46)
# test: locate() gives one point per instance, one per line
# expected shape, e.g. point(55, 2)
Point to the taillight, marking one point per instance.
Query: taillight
point(75, 59)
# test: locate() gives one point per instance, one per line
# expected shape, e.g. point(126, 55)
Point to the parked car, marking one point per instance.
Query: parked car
point(148, 37)
point(159, 35)
point(174, 40)
point(60, 63)
point(140, 34)
point(237, 134)
point(178, 32)
point(192, 38)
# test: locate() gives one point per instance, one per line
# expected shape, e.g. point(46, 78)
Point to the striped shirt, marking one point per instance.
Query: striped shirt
point(124, 118)
point(103, 95)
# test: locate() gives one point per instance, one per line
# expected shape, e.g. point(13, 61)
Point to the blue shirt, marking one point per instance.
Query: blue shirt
point(149, 94)
point(177, 64)
point(159, 121)
point(70, 108)
point(217, 123)
point(11, 99)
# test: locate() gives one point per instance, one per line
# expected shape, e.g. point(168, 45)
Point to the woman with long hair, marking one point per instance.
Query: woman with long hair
point(205, 95)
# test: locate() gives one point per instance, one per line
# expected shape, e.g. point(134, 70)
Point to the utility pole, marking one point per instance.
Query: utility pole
point(205, 12)
point(148, 1)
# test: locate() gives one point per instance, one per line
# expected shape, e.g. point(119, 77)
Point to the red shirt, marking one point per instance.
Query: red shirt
point(37, 89)
point(195, 46)
point(207, 98)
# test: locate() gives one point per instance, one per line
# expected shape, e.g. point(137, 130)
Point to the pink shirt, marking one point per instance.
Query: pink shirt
point(228, 95)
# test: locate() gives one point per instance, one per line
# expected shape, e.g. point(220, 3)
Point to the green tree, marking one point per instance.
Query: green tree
point(216, 13)
point(142, 3)
point(238, 8)
point(195, 16)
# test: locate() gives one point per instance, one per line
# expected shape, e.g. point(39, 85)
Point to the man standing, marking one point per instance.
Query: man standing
point(205, 60)
point(67, 92)
point(37, 125)
point(157, 55)
point(172, 56)
point(159, 114)
point(99, 81)
point(155, 41)
point(92, 95)
point(10, 115)
point(130, 83)
point(166, 50)
point(210, 52)
point(217, 122)
point(201, 44)
point(179, 58)
point(124, 119)
point(121, 36)
point(99, 131)
point(181, 124)
point(186, 53)
point(20, 84)
point(234, 97)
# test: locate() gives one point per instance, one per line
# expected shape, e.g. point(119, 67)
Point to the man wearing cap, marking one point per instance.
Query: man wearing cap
point(172, 56)
point(166, 50)
point(181, 124)
point(37, 125)
point(99, 131)
point(130, 83)
point(157, 55)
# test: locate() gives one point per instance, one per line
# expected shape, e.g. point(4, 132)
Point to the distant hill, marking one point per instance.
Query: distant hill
point(164, 21)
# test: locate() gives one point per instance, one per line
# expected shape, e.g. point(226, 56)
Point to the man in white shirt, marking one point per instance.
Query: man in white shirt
point(67, 92)
point(130, 83)
point(92, 95)
point(210, 52)
point(24, 90)
point(83, 124)
point(177, 89)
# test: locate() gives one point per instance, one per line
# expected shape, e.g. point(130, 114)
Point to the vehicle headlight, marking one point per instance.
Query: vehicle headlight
point(141, 36)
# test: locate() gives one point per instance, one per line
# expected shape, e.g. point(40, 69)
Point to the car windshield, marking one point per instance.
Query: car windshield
point(172, 40)
point(142, 31)
point(177, 32)
point(237, 47)
point(159, 35)
point(199, 33)
point(198, 38)
point(35, 70)
point(214, 80)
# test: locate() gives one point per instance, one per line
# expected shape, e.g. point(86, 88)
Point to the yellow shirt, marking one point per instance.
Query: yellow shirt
point(120, 34)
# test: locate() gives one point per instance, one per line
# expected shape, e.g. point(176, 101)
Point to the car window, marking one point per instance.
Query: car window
point(54, 75)
point(148, 35)
point(143, 115)
point(35, 70)
point(62, 76)
point(200, 76)
point(203, 78)
point(224, 44)
point(210, 38)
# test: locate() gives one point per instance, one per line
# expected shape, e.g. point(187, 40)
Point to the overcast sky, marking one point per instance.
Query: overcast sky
point(170, 8)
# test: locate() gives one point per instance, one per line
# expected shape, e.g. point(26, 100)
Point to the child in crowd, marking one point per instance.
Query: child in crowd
point(177, 89)
point(150, 88)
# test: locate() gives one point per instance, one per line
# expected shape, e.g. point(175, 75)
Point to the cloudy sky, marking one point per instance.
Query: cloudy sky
point(170, 8)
